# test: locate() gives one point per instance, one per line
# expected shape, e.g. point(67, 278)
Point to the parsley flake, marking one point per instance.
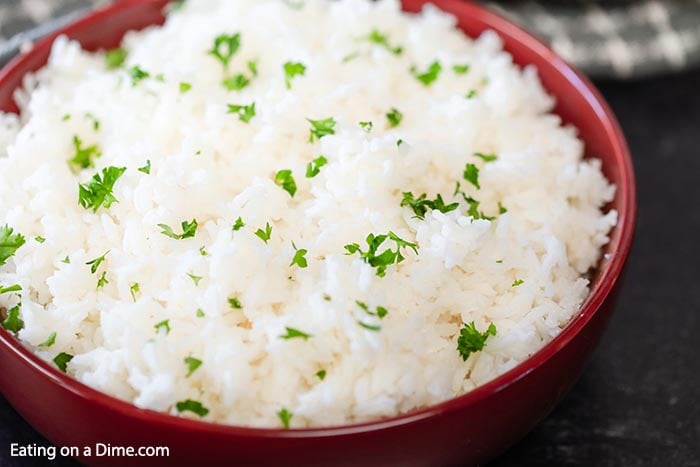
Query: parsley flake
point(235, 303)
point(292, 69)
point(295, 334)
point(13, 322)
point(185, 87)
point(146, 168)
point(225, 47)
point(84, 156)
point(39, 239)
point(518, 282)
point(394, 117)
point(137, 74)
point(193, 406)
point(102, 281)
point(95, 263)
point(387, 257)
point(367, 126)
point(238, 225)
point(200, 313)
point(236, 82)
point(471, 174)
point(313, 168)
point(115, 58)
point(284, 179)
point(189, 230)
point(10, 288)
point(460, 69)
point(379, 38)
point(134, 289)
point(165, 324)
point(471, 340)
point(245, 112)
point(51, 340)
point(299, 257)
point(486, 157)
point(321, 128)
point(369, 327)
point(98, 191)
point(321, 374)
point(195, 279)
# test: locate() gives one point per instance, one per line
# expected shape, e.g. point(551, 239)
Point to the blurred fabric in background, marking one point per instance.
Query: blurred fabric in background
point(606, 39)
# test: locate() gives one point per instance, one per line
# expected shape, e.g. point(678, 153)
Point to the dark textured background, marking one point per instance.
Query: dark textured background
point(637, 403)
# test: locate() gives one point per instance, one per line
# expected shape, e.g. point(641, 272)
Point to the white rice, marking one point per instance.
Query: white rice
point(209, 165)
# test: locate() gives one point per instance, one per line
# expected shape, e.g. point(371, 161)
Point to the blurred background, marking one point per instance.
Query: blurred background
point(636, 404)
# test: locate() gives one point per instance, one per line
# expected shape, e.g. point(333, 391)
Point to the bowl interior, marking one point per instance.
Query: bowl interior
point(578, 103)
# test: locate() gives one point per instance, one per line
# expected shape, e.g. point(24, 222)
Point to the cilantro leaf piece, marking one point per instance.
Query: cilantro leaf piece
point(134, 289)
point(380, 261)
point(137, 74)
point(13, 322)
point(421, 204)
point(379, 38)
point(200, 313)
point(225, 47)
point(460, 69)
point(61, 360)
point(321, 374)
point(39, 239)
point(394, 117)
point(185, 87)
point(313, 168)
point(115, 58)
point(245, 112)
point(238, 225)
point(95, 263)
point(189, 230)
point(98, 191)
point(10, 288)
point(192, 365)
point(10, 242)
point(286, 417)
point(292, 69)
point(102, 281)
point(195, 279)
point(234, 303)
point(518, 282)
point(146, 168)
point(295, 334)
point(51, 340)
point(236, 82)
point(285, 179)
point(471, 340)
point(486, 157)
point(321, 128)
point(193, 406)
point(472, 94)
point(299, 257)
point(369, 327)
point(367, 126)
point(430, 75)
point(266, 234)
point(471, 174)
point(84, 156)
point(165, 324)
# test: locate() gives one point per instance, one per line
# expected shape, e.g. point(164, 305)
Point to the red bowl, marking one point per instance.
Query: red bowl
point(469, 429)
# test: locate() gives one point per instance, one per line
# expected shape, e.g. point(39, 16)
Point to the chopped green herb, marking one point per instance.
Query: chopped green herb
point(146, 168)
point(294, 334)
point(225, 47)
point(394, 117)
point(473, 205)
point(13, 322)
point(185, 87)
point(66, 117)
point(292, 69)
point(160, 77)
point(236, 82)
point(253, 67)
point(421, 204)
point(200, 313)
point(84, 157)
point(367, 126)
point(115, 58)
point(326, 297)
point(98, 191)
point(350, 57)
point(51, 340)
point(195, 279)
point(486, 157)
point(321, 128)
point(382, 312)
point(460, 69)
point(95, 263)
point(369, 327)
point(321, 374)
point(299, 257)
point(286, 417)
point(501, 209)
point(190, 405)
point(471, 174)
point(381, 39)
point(471, 340)
point(285, 179)
point(95, 121)
point(137, 74)
point(245, 112)
point(399, 143)
point(235, 303)
point(61, 360)
point(313, 168)
point(430, 75)
point(238, 225)
point(471, 94)
point(264, 235)
point(39, 239)
point(189, 230)
point(387, 257)
point(134, 289)
point(518, 282)
point(499, 261)
point(165, 324)
point(362, 305)
point(203, 251)
point(102, 281)
point(10, 288)
point(192, 365)
point(66, 260)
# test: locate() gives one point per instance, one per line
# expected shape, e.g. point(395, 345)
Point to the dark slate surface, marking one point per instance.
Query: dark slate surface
point(637, 403)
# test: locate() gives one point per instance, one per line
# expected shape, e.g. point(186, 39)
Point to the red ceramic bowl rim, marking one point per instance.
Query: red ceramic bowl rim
point(609, 274)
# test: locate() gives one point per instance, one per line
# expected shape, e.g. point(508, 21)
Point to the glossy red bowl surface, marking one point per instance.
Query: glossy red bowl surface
point(466, 430)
